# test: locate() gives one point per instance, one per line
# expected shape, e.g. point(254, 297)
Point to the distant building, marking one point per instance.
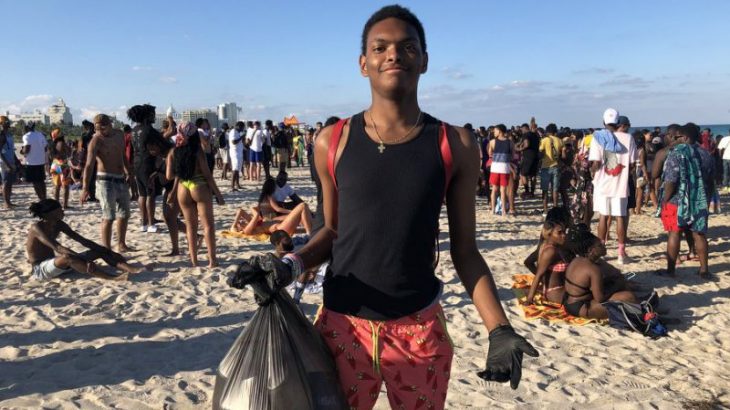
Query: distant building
point(228, 112)
point(36, 117)
point(210, 115)
point(159, 117)
point(59, 113)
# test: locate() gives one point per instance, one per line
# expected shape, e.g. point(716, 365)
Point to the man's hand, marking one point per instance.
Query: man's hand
point(84, 196)
point(504, 360)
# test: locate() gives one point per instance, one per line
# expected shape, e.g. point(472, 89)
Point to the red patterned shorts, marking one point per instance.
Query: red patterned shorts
point(412, 355)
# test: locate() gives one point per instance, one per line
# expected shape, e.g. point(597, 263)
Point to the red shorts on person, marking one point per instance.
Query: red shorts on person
point(498, 179)
point(412, 355)
point(669, 217)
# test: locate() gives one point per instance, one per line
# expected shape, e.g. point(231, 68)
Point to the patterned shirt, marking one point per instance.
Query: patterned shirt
point(671, 169)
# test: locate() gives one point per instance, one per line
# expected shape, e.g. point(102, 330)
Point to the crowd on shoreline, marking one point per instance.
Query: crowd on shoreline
point(178, 161)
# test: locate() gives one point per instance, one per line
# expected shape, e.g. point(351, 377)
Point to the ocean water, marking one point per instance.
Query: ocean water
point(716, 129)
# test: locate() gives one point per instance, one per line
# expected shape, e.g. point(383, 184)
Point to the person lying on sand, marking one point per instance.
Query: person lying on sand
point(589, 281)
point(50, 259)
point(255, 224)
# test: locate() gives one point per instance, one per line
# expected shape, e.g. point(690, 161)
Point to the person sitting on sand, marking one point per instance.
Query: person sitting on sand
point(283, 244)
point(284, 191)
point(551, 265)
point(50, 259)
point(589, 281)
point(560, 215)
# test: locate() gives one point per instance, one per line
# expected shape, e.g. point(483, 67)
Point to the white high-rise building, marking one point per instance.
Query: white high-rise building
point(228, 112)
point(210, 115)
point(59, 113)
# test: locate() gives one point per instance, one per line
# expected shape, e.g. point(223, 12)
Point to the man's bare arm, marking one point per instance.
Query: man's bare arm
point(461, 206)
point(89, 167)
point(319, 248)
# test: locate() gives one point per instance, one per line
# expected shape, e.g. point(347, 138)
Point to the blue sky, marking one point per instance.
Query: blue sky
point(489, 61)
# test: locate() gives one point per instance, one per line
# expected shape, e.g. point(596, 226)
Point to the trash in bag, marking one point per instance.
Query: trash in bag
point(279, 360)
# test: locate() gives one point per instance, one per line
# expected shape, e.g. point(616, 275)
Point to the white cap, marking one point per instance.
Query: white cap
point(610, 116)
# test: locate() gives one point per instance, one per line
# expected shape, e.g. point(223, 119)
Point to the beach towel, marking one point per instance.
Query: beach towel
point(544, 309)
point(262, 237)
point(607, 140)
point(692, 209)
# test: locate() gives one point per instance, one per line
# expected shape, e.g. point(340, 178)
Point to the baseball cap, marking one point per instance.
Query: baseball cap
point(623, 120)
point(610, 116)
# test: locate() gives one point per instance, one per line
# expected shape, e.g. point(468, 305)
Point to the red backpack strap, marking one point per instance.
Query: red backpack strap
point(334, 144)
point(446, 155)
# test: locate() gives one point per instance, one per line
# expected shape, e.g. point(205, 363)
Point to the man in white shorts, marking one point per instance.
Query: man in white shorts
point(235, 149)
point(612, 155)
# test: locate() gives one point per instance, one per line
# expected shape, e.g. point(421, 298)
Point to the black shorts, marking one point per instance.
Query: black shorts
point(529, 165)
point(632, 193)
point(143, 188)
point(35, 173)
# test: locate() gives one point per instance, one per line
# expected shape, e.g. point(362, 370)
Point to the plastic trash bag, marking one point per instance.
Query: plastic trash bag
point(279, 361)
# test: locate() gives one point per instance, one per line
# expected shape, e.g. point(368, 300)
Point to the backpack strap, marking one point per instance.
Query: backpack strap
point(334, 144)
point(446, 155)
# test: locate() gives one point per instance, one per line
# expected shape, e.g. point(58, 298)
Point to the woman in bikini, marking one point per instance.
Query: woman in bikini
point(268, 216)
point(589, 281)
point(551, 264)
point(194, 186)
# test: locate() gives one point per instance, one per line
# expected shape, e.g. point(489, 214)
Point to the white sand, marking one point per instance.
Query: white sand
point(155, 342)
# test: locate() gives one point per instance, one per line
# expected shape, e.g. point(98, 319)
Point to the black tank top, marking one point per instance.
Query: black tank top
point(388, 209)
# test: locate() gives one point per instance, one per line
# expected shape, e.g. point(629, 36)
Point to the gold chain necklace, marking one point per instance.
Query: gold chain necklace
point(381, 146)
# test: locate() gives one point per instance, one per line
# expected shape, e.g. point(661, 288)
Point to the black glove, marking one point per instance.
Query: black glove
point(504, 360)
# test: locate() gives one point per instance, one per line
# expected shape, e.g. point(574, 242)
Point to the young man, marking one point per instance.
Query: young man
point(612, 155)
point(223, 150)
point(50, 259)
point(381, 315)
point(284, 191)
point(106, 150)
point(8, 169)
point(550, 149)
point(144, 117)
point(688, 185)
point(36, 159)
point(530, 148)
point(235, 149)
point(282, 146)
point(255, 140)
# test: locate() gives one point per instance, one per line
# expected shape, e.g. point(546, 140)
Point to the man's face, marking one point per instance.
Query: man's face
point(393, 59)
point(281, 180)
point(103, 129)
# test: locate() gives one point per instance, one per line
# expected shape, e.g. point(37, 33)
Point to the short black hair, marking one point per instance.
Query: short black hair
point(331, 121)
point(393, 11)
point(691, 131)
point(580, 240)
point(44, 206)
point(199, 122)
point(551, 129)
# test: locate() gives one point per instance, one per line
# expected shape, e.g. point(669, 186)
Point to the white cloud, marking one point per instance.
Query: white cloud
point(168, 80)
point(455, 73)
point(141, 68)
point(28, 104)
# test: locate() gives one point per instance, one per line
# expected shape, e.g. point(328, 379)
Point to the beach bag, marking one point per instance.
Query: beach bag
point(636, 317)
point(279, 362)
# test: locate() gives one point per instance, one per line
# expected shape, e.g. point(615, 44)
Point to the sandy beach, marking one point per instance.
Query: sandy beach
point(155, 342)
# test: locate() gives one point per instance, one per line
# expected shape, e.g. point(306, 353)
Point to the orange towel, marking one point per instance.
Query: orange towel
point(262, 237)
point(552, 312)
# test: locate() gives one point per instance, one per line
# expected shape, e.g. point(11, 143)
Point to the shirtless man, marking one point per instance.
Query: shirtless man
point(381, 315)
point(50, 259)
point(106, 149)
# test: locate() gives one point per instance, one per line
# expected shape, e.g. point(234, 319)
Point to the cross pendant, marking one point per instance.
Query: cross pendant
point(381, 147)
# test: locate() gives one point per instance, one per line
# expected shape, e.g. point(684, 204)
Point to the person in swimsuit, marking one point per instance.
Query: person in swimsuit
point(194, 185)
point(559, 215)
point(60, 166)
point(588, 282)
point(50, 259)
point(551, 265)
point(254, 223)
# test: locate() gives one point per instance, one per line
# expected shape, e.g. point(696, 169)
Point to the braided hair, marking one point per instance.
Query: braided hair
point(580, 240)
point(185, 157)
